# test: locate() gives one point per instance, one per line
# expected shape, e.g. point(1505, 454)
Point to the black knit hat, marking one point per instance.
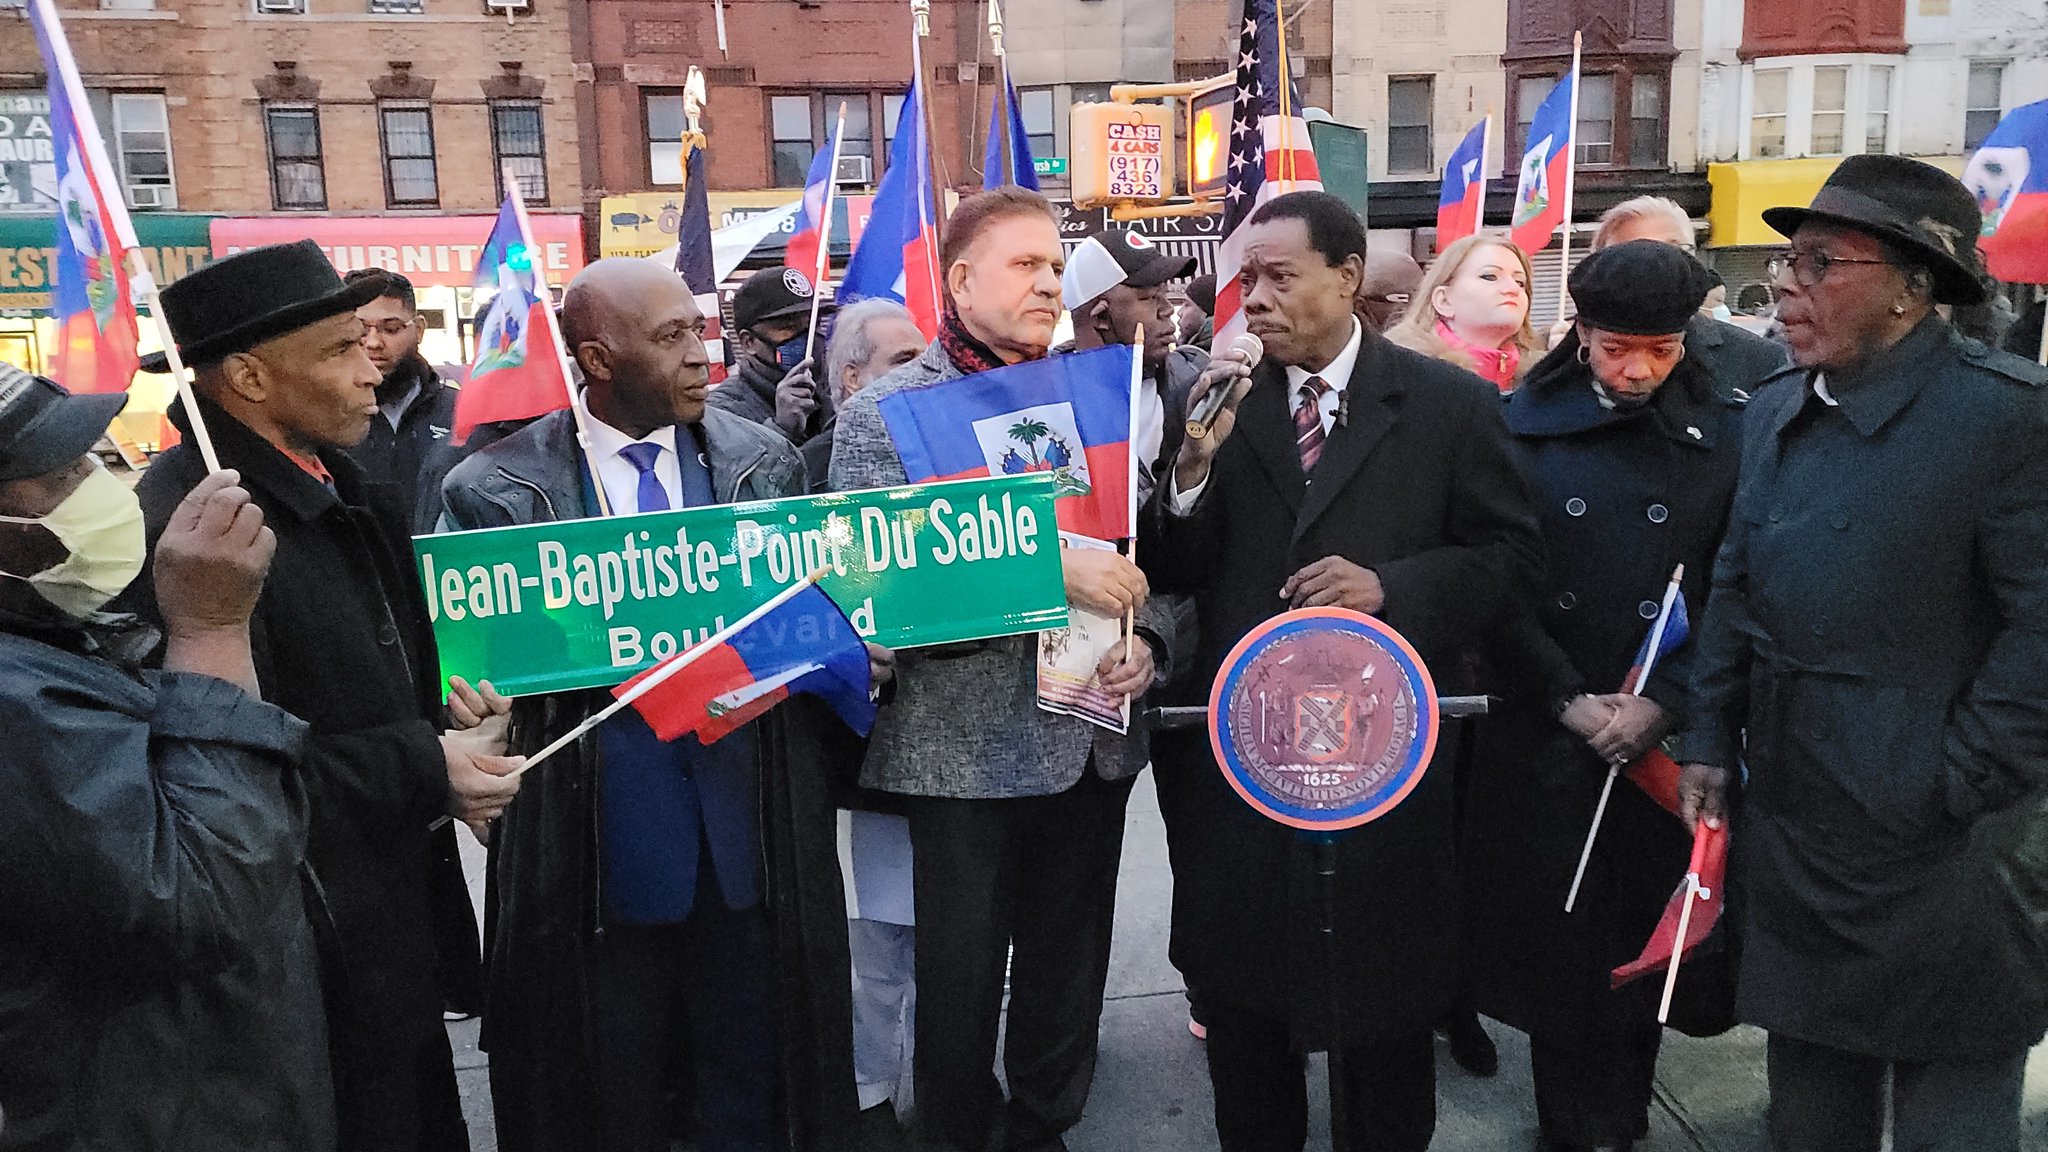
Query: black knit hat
point(1641, 288)
point(1913, 205)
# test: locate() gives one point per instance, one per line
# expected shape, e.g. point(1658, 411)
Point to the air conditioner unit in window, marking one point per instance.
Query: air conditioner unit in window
point(855, 170)
point(507, 6)
point(146, 196)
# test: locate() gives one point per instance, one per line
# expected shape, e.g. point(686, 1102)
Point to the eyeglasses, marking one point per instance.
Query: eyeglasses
point(1398, 299)
point(393, 327)
point(1809, 268)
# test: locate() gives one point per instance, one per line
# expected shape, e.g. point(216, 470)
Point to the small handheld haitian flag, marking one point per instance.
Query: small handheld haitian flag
point(96, 322)
point(1068, 415)
point(517, 374)
point(1545, 169)
point(1463, 198)
point(2009, 177)
point(803, 644)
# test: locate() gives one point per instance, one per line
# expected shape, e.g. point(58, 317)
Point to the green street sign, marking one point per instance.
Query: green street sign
point(587, 603)
point(1049, 165)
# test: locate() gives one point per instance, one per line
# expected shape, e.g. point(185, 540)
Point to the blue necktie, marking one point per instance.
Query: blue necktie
point(652, 497)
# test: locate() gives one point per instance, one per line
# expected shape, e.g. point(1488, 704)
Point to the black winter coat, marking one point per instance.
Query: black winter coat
point(1624, 496)
point(1876, 631)
point(545, 849)
point(1737, 360)
point(1418, 485)
point(414, 456)
point(159, 988)
point(341, 640)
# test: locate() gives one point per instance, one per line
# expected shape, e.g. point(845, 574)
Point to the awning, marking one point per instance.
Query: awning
point(1743, 189)
point(431, 251)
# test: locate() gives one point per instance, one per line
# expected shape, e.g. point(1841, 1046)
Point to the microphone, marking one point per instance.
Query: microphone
point(1249, 350)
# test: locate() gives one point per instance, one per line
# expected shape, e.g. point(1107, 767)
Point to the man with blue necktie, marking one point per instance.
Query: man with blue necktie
point(652, 888)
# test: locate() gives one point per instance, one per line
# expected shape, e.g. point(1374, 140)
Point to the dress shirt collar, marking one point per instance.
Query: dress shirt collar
point(1337, 373)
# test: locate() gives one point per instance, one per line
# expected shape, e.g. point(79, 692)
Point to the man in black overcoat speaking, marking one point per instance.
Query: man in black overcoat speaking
point(1345, 472)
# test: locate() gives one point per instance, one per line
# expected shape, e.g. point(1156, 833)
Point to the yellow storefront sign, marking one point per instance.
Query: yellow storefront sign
point(643, 223)
point(1742, 190)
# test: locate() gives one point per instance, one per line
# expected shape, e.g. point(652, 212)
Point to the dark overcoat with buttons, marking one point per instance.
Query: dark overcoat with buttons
point(1874, 648)
point(1416, 484)
point(1624, 496)
point(341, 640)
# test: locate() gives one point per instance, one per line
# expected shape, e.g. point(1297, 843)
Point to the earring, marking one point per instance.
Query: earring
point(1584, 355)
point(1898, 309)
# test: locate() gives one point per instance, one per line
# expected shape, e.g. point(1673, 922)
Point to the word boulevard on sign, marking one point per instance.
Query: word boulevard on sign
point(585, 603)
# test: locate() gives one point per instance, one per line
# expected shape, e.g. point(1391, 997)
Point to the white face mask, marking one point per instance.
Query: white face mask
point(1722, 312)
point(100, 525)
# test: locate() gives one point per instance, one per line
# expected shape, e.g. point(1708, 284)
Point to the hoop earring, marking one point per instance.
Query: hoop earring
point(1681, 353)
point(1584, 355)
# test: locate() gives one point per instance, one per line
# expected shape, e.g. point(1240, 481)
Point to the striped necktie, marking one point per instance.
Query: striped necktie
point(1308, 422)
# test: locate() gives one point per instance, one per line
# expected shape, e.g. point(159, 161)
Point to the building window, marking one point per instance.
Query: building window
point(298, 178)
point(860, 126)
point(1410, 101)
point(1830, 110)
point(517, 143)
point(892, 111)
point(1596, 119)
point(281, 7)
point(663, 112)
point(397, 7)
point(789, 122)
point(1646, 122)
point(1767, 113)
point(142, 147)
point(1985, 103)
point(1877, 110)
point(112, 5)
point(408, 134)
point(1041, 127)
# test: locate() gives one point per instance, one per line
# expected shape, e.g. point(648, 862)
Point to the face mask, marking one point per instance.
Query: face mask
point(1723, 312)
point(790, 352)
point(100, 525)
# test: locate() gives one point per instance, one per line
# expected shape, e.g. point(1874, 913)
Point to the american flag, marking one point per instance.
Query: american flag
point(1270, 153)
point(693, 257)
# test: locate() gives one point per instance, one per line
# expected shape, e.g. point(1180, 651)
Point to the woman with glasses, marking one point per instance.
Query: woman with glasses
point(1870, 664)
point(1472, 309)
point(1633, 448)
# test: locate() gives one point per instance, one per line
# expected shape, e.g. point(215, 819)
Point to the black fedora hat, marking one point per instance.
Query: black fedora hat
point(236, 303)
point(1914, 205)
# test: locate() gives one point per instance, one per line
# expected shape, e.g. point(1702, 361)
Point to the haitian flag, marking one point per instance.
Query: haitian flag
point(517, 374)
point(898, 255)
point(2012, 191)
point(1709, 864)
point(1545, 169)
point(1463, 199)
point(694, 261)
point(1666, 633)
point(806, 250)
point(803, 643)
point(1008, 160)
point(96, 322)
point(1068, 415)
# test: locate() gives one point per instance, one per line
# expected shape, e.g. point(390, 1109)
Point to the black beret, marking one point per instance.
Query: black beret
point(1641, 288)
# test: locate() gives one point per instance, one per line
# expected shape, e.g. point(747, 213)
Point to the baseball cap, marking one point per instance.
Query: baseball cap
point(1116, 256)
point(773, 293)
point(43, 427)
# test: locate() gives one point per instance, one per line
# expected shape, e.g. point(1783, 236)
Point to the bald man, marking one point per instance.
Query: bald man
point(1391, 277)
point(633, 888)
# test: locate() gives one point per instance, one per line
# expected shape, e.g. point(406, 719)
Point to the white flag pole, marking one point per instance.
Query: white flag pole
point(1613, 770)
point(1571, 164)
point(1485, 169)
point(824, 262)
point(1693, 892)
point(538, 257)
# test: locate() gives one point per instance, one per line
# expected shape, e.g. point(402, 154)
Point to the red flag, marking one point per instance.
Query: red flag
point(1710, 864)
point(517, 374)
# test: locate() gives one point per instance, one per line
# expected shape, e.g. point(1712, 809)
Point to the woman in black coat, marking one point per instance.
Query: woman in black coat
point(1633, 450)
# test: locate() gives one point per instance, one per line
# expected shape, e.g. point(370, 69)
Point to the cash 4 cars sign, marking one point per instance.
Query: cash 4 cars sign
point(586, 603)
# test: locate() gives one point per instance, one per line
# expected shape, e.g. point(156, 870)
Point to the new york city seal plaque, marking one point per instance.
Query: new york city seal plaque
point(1323, 718)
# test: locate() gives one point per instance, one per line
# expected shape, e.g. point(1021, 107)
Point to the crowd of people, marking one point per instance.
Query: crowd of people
point(233, 903)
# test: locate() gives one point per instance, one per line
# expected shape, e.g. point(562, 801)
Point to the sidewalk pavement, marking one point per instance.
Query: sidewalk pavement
point(1152, 1085)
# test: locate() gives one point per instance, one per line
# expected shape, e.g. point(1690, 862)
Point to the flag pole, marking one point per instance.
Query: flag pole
point(1286, 89)
point(2041, 354)
point(138, 273)
point(824, 264)
point(1571, 165)
point(1485, 169)
point(1131, 486)
point(1693, 892)
point(101, 169)
point(924, 159)
point(664, 672)
point(1613, 770)
point(547, 310)
point(1002, 108)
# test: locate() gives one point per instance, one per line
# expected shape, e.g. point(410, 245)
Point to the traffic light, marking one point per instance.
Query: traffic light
point(1209, 139)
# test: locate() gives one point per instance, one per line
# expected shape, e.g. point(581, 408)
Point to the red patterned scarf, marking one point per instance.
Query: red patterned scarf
point(963, 348)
